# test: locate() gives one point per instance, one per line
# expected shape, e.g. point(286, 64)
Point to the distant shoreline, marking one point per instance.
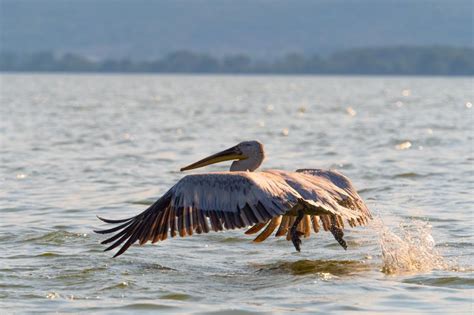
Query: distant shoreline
point(387, 61)
point(197, 74)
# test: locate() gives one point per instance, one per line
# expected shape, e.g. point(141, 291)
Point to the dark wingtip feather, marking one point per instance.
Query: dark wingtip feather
point(132, 239)
point(103, 231)
point(114, 237)
point(114, 229)
point(113, 221)
point(118, 254)
point(127, 233)
point(134, 228)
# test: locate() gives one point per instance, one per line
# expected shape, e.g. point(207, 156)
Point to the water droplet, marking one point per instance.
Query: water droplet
point(261, 123)
point(468, 105)
point(429, 131)
point(270, 108)
point(403, 146)
point(351, 111)
point(406, 92)
point(21, 176)
point(285, 132)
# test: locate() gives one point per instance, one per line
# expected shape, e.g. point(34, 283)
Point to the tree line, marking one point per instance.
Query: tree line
point(403, 60)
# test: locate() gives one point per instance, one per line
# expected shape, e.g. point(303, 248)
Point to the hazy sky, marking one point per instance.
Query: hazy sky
point(145, 28)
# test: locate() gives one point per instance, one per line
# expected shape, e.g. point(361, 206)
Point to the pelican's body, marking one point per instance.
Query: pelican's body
point(293, 202)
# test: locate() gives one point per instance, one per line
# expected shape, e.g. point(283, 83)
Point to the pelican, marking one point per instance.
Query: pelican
point(293, 202)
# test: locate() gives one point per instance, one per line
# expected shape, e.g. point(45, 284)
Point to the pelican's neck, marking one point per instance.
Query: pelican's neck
point(249, 164)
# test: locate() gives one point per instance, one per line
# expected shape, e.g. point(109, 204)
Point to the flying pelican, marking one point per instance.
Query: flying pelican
point(292, 201)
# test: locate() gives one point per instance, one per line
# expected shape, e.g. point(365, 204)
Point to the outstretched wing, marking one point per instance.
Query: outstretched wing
point(325, 189)
point(201, 202)
point(340, 188)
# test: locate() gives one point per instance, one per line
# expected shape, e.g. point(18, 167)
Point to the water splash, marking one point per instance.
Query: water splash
point(409, 248)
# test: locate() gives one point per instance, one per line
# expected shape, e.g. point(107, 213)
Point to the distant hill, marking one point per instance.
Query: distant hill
point(403, 60)
point(143, 29)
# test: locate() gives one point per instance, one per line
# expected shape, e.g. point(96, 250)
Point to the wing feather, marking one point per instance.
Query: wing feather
point(314, 220)
point(268, 230)
point(283, 226)
point(257, 227)
point(306, 225)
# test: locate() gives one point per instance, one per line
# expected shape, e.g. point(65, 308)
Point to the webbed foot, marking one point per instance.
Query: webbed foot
point(295, 234)
point(295, 239)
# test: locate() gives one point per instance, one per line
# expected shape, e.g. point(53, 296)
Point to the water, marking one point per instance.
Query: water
point(77, 146)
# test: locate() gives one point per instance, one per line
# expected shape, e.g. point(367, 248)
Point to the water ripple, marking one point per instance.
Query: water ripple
point(77, 146)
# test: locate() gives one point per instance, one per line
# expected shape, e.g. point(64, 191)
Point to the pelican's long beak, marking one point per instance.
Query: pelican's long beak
point(233, 153)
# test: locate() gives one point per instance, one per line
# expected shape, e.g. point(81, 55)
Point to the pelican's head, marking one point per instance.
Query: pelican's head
point(247, 155)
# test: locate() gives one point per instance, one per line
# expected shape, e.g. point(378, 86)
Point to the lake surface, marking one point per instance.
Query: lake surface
point(77, 146)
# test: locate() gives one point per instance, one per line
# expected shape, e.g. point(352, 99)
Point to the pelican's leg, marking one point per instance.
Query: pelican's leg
point(295, 234)
point(337, 233)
